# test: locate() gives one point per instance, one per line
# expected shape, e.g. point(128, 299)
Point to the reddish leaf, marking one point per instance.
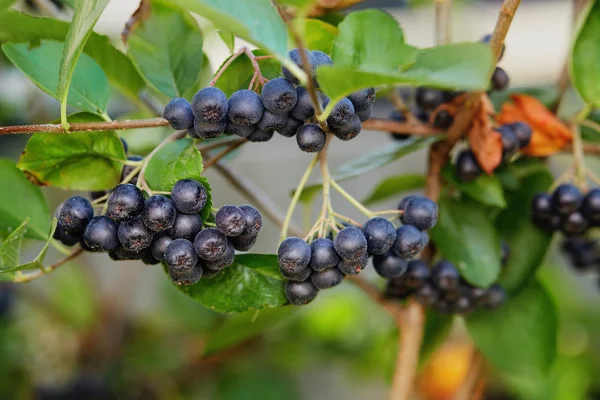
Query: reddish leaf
point(485, 142)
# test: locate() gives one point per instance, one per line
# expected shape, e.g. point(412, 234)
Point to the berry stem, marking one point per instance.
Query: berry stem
point(226, 65)
point(21, 277)
point(326, 208)
point(411, 128)
point(347, 219)
point(100, 200)
point(290, 211)
point(357, 204)
point(141, 178)
point(389, 212)
point(84, 126)
point(398, 103)
point(578, 151)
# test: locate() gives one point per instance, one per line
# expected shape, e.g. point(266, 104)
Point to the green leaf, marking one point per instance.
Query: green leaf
point(4, 4)
point(228, 39)
point(76, 160)
point(317, 35)
point(10, 251)
point(519, 338)
point(21, 201)
point(486, 189)
point(239, 74)
point(585, 57)
point(83, 21)
point(299, 4)
point(394, 185)
point(256, 21)
point(466, 236)
point(175, 161)
point(89, 88)
point(253, 281)
point(167, 50)
point(528, 244)
point(38, 261)
point(17, 28)
point(437, 328)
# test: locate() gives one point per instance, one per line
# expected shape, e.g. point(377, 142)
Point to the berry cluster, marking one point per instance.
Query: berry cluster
point(282, 106)
point(583, 252)
point(567, 210)
point(324, 262)
point(160, 228)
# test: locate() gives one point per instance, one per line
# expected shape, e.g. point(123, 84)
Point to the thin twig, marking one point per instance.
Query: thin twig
point(42, 271)
point(85, 126)
point(213, 160)
point(376, 124)
point(226, 65)
point(141, 183)
point(443, 21)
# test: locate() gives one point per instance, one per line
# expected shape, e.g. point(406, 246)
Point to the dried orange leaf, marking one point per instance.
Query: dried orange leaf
point(485, 142)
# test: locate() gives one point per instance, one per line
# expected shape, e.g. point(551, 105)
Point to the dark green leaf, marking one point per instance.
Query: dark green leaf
point(466, 236)
point(256, 21)
point(10, 251)
point(66, 160)
point(548, 95)
point(4, 4)
point(83, 21)
point(317, 35)
point(437, 328)
point(528, 244)
point(167, 50)
point(175, 161)
point(22, 200)
point(519, 338)
point(486, 189)
point(394, 185)
point(17, 28)
point(585, 57)
point(239, 74)
point(38, 261)
point(89, 88)
point(253, 281)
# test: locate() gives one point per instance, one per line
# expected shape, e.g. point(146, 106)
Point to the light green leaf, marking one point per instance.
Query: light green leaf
point(256, 21)
point(519, 339)
point(299, 4)
point(18, 28)
point(228, 39)
point(253, 281)
point(317, 35)
point(240, 72)
point(38, 261)
point(167, 50)
point(486, 189)
point(22, 201)
point(89, 88)
point(585, 56)
point(66, 160)
point(83, 21)
point(392, 186)
point(466, 236)
point(10, 251)
point(4, 4)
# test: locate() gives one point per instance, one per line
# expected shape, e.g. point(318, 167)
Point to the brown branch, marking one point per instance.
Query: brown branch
point(443, 21)
point(234, 145)
point(50, 268)
point(376, 124)
point(85, 126)
point(473, 378)
point(590, 149)
point(140, 15)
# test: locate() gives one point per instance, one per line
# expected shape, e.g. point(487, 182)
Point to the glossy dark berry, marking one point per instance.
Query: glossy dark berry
point(549, 224)
point(126, 146)
point(224, 261)
point(573, 224)
point(259, 136)
point(416, 275)
point(350, 243)
point(487, 38)
point(504, 253)
point(323, 255)
point(496, 296)
point(467, 167)
point(404, 202)
point(128, 169)
point(303, 109)
point(180, 255)
point(293, 255)
point(210, 244)
point(300, 293)
point(159, 245)
point(510, 141)
point(279, 96)
point(191, 132)
point(500, 79)
point(443, 120)
point(348, 131)
point(134, 235)
point(389, 265)
point(427, 295)
point(299, 277)
point(189, 196)
point(291, 127)
point(363, 99)
point(523, 132)
point(75, 213)
point(230, 220)
point(297, 59)
point(591, 206)
point(364, 115)
point(272, 122)
point(101, 234)
point(65, 237)
point(209, 130)
point(188, 276)
point(179, 114)
point(207, 273)
point(321, 58)
point(583, 252)
point(353, 267)
point(462, 305)
point(380, 234)
point(239, 130)
point(409, 241)
point(420, 212)
point(327, 279)
point(397, 116)
point(342, 113)
point(245, 108)
point(121, 254)
point(186, 226)
point(147, 258)
point(210, 105)
point(159, 213)
point(243, 242)
point(125, 202)
point(541, 205)
point(253, 220)
point(422, 115)
point(428, 99)
point(445, 276)
point(310, 138)
point(566, 199)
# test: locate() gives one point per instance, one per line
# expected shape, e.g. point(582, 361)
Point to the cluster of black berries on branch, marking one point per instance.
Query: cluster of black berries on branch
point(282, 106)
point(567, 210)
point(160, 228)
point(323, 263)
point(583, 252)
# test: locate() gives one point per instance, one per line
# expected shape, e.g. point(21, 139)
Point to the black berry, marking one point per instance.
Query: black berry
point(416, 274)
point(300, 293)
point(179, 114)
point(310, 138)
point(186, 226)
point(128, 169)
point(75, 213)
point(134, 235)
point(239, 130)
point(297, 59)
point(259, 136)
point(243, 242)
point(342, 113)
point(159, 213)
point(445, 276)
point(443, 120)
point(210, 105)
point(189, 196)
point(323, 255)
point(293, 255)
point(397, 116)
point(353, 267)
point(363, 99)
point(510, 141)
point(500, 79)
point(350, 243)
point(206, 272)
point(147, 258)
point(467, 167)
point(224, 261)
point(420, 212)
point(159, 245)
point(409, 241)
point(187, 277)
point(126, 147)
point(573, 224)
point(327, 279)
point(101, 234)
point(279, 96)
point(389, 265)
point(566, 199)
point(496, 296)
point(427, 295)
point(321, 58)
point(230, 220)
point(299, 277)
point(180, 255)
point(125, 202)
point(209, 130)
point(591, 206)
point(121, 254)
point(428, 99)
point(272, 122)
point(523, 132)
point(364, 115)
point(291, 127)
point(304, 108)
point(541, 206)
point(210, 244)
point(348, 131)
point(404, 202)
point(253, 220)
point(65, 237)
point(380, 234)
